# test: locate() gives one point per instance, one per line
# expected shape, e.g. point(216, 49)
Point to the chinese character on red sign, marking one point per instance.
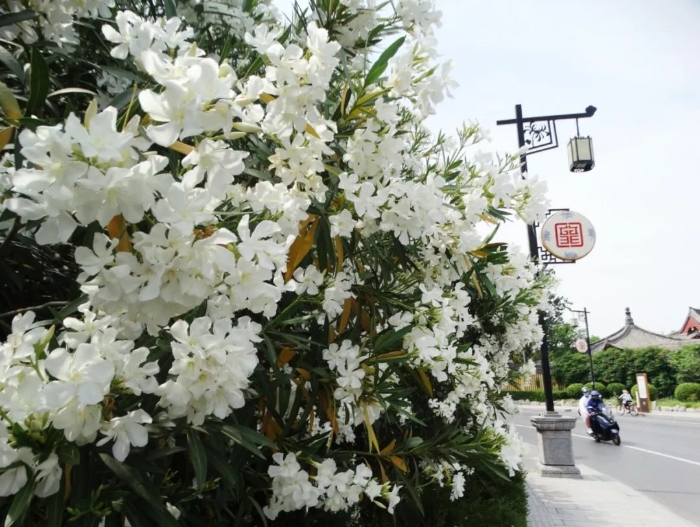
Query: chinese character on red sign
point(569, 234)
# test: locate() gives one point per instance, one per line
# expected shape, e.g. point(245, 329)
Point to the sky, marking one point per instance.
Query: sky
point(637, 62)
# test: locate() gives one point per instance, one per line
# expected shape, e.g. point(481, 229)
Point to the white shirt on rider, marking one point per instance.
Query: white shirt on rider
point(582, 405)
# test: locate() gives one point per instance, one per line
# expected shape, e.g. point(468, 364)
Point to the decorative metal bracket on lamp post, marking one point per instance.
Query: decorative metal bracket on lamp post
point(554, 431)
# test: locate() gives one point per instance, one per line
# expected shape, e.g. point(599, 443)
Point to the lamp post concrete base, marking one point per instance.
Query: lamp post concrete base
point(556, 453)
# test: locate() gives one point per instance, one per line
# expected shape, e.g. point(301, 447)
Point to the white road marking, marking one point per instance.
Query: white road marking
point(661, 454)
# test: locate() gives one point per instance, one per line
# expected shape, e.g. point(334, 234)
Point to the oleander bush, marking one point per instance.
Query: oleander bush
point(283, 299)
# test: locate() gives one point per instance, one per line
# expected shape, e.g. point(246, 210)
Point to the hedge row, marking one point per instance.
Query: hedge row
point(535, 395)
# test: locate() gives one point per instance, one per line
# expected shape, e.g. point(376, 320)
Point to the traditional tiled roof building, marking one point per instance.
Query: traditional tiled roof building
point(632, 336)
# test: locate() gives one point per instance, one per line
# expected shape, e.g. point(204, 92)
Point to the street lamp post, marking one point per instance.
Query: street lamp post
point(588, 340)
point(556, 454)
point(542, 135)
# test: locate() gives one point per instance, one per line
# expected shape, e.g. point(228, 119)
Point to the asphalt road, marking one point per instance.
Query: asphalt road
point(659, 458)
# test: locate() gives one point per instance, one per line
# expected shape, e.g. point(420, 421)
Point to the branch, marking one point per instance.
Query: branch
point(53, 303)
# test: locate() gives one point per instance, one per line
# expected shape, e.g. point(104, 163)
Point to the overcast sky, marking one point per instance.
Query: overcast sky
point(637, 62)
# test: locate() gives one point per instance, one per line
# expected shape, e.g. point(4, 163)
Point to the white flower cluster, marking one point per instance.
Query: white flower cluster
point(56, 18)
point(294, 489)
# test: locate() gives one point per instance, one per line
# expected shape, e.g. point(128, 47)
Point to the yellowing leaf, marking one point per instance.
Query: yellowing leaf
point(117, 229)
point(381, 468)
point(396, 460)
point(8, 103)
point(426, 381)
point(302, 245)
point(181, 148)
point(480, 254)
point(365, 321)
point(389, 448)
point(6, 136)
point(285, 356)
point(370, 432)
point(477, 285)
point(488, 219)
point(304, 373)
point(310, 130)
point(266, 98)
point(345, 316)
point(339, 252)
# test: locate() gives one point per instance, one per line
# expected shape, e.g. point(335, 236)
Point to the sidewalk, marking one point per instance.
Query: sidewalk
point(594, 500)
point(656, 414)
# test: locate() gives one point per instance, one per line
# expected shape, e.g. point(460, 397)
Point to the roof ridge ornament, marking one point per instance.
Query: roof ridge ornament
point(628, 317)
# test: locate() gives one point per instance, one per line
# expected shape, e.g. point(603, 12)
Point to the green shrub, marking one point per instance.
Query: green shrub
point(599, 387)
point(615, 389)
point(574, 390)
point(536, 395)
point(688, 392)
point(653, 391)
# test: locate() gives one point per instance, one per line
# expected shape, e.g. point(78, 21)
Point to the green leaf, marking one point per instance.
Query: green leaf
point(248, 439)
point(70, 308)
point(14, 18)
point(170, 10)
point(38, 84)
point(20, 503)
point(379, 67)
point(198, 456)
point(64, 91)
point(165, 452)
point(141, 485)
point(11, 63)
point(124, 98)
point(69, 454)
point(230, 476)
point(55, 506)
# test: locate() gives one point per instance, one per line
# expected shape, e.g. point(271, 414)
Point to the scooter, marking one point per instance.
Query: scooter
point(605, 427)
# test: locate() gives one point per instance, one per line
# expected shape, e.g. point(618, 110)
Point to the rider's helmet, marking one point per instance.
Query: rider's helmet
point(595, 394)
point(584, 390)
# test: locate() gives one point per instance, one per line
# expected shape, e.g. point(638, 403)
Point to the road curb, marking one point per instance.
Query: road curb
point(668, 416)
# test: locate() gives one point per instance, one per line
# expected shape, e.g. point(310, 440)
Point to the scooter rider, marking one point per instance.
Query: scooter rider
point(595, 405)
point(583, 407)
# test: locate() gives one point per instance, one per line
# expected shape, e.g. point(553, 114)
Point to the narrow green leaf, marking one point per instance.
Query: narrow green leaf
point(64, 91)
point(141, 485)
point(20, 503)
point(124, 98)
point(69, 454)
point(121, 73)
point(55, 506)
point(15, 18)
point(165, 452)
point(379, 67)
point(70, 308)
point(170, 10)
point(224, 469)
point(248, 439)
point(38, 84)
point(198, 456)
point(31, 123)
point(11, 63)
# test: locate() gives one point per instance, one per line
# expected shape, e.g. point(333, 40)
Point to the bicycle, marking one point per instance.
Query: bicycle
point(632, 409)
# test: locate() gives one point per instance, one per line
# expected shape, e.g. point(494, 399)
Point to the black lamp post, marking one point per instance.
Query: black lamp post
point(542, 135)
point(588, 339)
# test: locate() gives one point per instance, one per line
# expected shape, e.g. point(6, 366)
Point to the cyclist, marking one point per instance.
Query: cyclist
point(626, 399)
